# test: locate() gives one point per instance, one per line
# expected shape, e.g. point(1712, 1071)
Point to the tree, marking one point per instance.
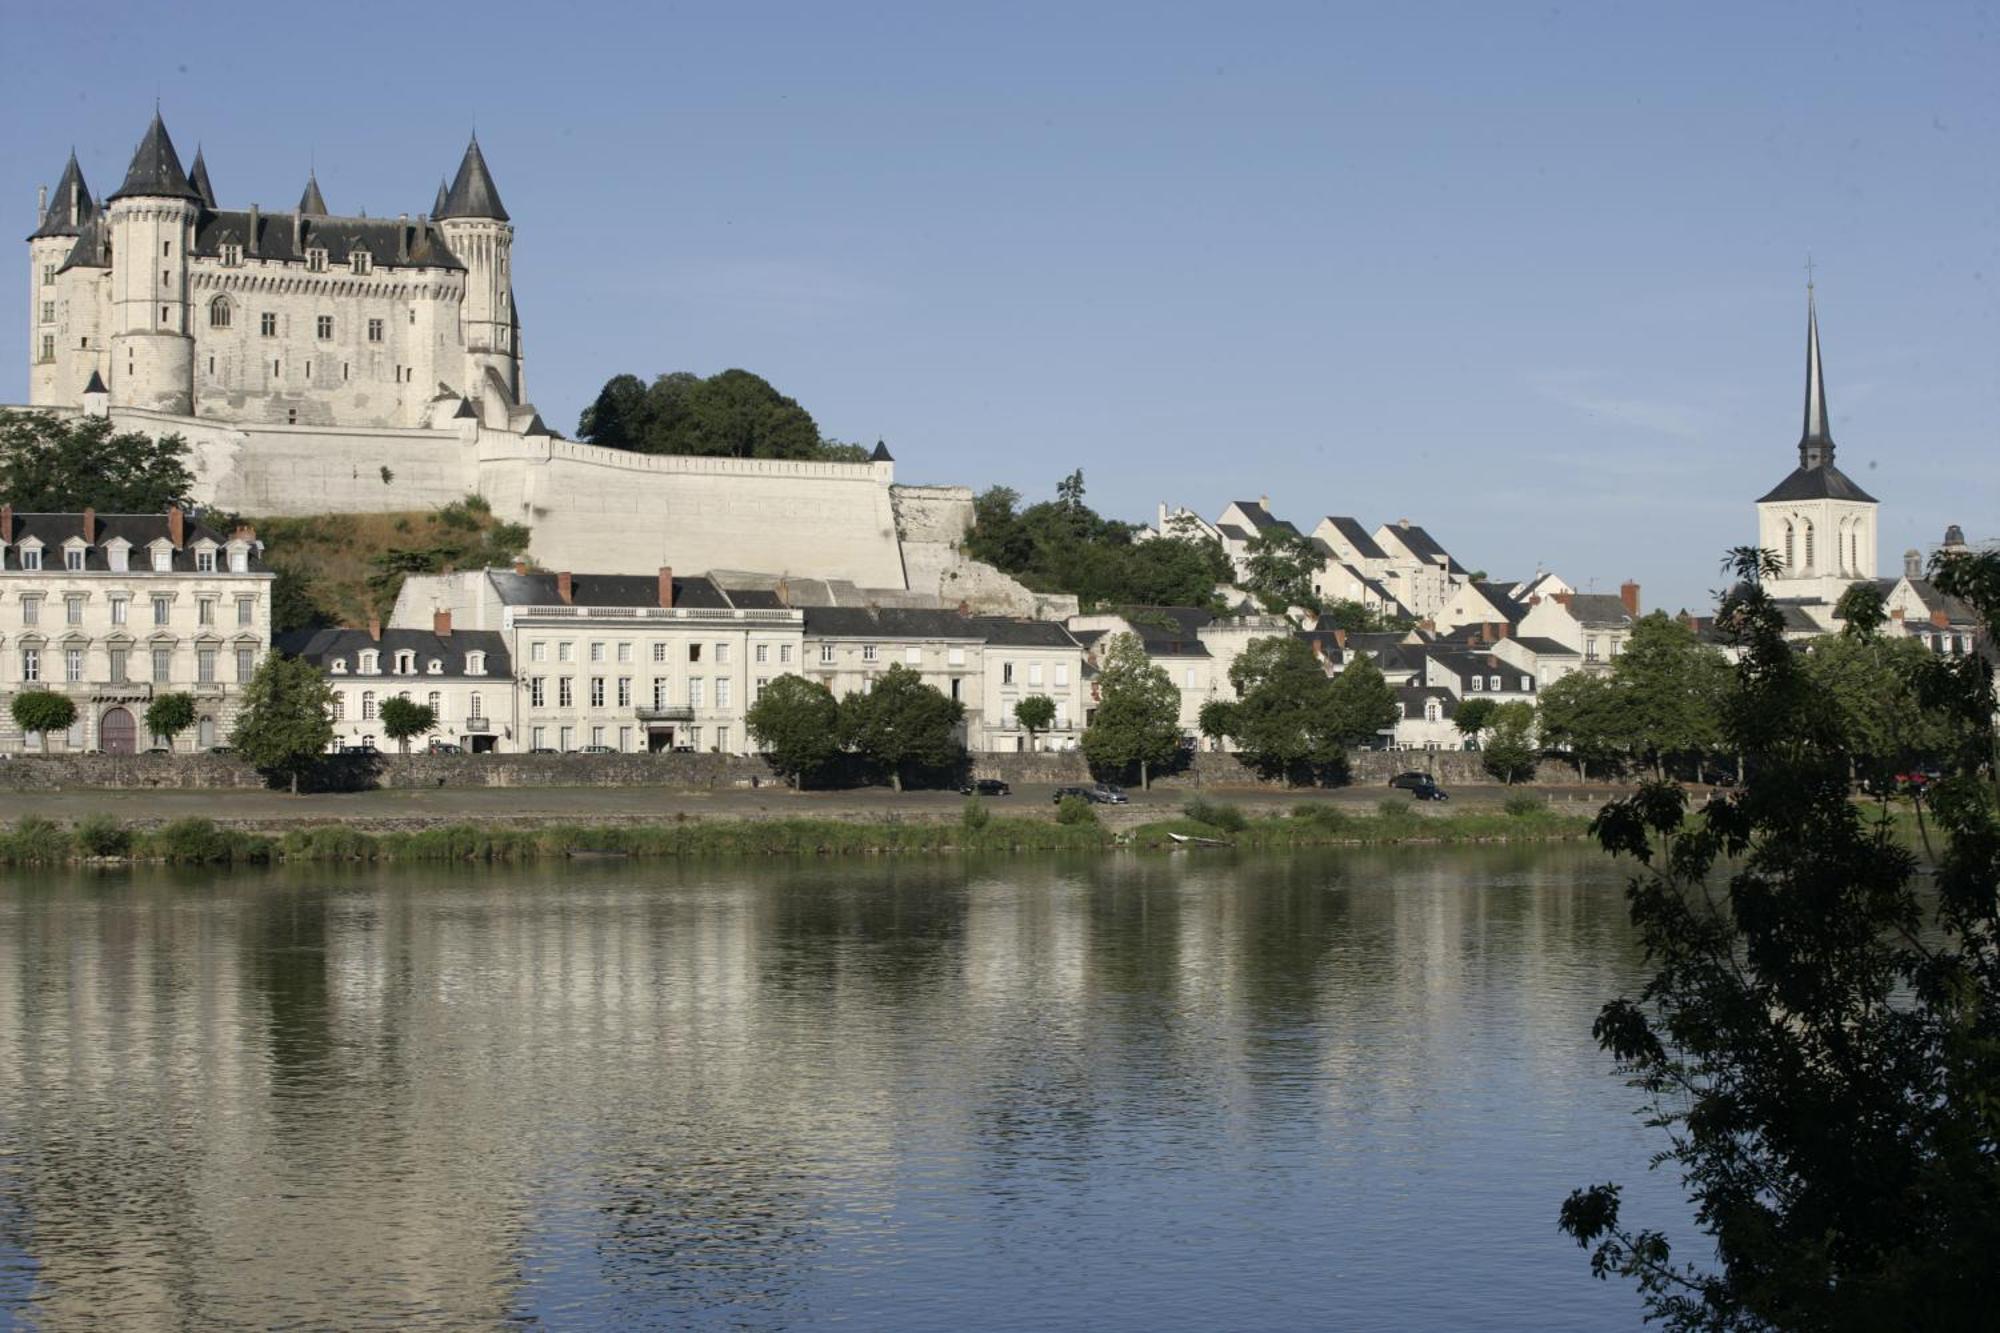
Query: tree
point(900, 721)
point(1353, 617)
point(51, 464)
point(734, 414)
point(285, 719)
point(1137, 722)
point(1036, 713)
point(1862, 609)
point(1473, 716)
point(1580, 714)
point(1278, 568)
point(1217, 719)
point(1818, 1035)
point(1510, 751)
point(1364, 702)
point(168, 715)
point(39, 712)
point(1286, 719)
point(797, 723)
point(1064, 546)
point(1871, 685)
point(1669, 687)
point(403, 719)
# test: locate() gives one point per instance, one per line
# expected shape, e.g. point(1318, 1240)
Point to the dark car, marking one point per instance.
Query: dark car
point(987, 787)
point(1110, 794)
point(596, 749)
point(1101, 794)
point(1412, 781)
point(446, 747)
point(545, 749)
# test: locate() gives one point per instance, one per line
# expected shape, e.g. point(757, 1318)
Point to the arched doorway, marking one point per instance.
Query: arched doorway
point(117, 733)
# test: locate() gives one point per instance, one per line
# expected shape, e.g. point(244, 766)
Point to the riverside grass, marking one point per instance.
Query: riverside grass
point(36, 841)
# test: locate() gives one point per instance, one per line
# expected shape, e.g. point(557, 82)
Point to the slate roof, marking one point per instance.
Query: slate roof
point(70, 205)
point(473, 193)
point(1825, 482)
point(1463, 664)
point(540, 589)
point(1357, 536)
point(1503, 601)
point(198, 178)
point(1956, 611)
point(891, 622)
point(92, 248)
point(383, 238)
point(1017, 633)
point(322, 647)
point(1541, 647)
point(141, 530)
point(156, 172)
point(1414, 697)
point(312, 202)
point(1234, 533)
point(1599, 608)
point(1168, 631)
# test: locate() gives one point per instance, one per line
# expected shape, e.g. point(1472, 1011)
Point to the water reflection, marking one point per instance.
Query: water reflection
point(1136, 1092)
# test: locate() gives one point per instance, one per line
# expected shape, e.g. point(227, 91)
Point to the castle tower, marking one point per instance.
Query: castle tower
point(152, 219)
point(61, 218)
point(1819, 523)
point(476, 227)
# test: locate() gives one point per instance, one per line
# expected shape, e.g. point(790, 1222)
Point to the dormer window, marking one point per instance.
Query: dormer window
point(73, 558)
point(163, 558)
point(204, 560)
point(434, 667)
point(406, 663)
point(338, 666)
point(315, 261)
point(31, 557)
point(118, 555)
point(231, 254)
point(370, 663)
point(239, 558)
point(475, 664)
point(361, 261)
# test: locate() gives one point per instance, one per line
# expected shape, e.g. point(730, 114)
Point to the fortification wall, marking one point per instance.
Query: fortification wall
point(932, 521)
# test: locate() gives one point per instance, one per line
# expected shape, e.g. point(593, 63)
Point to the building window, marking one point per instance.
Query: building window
point(694, 691)
point(31, 610)
point(1526, 685)
point(694, 652)
point(406, 662)
point(659, 693)
point(1062, 674)
point(763, 652)
point(73, 665)
point(368, 662)
point(784, 653)
point(360, 261)
point(826, 654)
point(315, 261)
point(597, 651)
point(339, 706)
point(624, 652)
point(435, 702)
point(374, 330)
point(204, 560)
point(48, 275)
point(117, 656)
point(722, 691)
point(120, 607)
point(204, 610)
point(722, 652)
point(757, 687)
point(267, 324)
point(1034, 673)
point(73, 610)
point(1187, 678)
point(563, 695)
point(48, 347)
point(538, 738)
point(597, 737)
point(1494, 684)
point(475, 665)
point(538, 652)
point(1477, 681)
point(913, 656)
point(367, 705)
point(163, 665)
point(219, 313)
point(868, 652)
point(31, 664)
point(323, 326)
point(564, 651)
point(204, 666)
point(118, 557)
point(1006, 673)
point(31, 557)
point(338, 666)
point(232, 254)
point(475, 713)
point(537, 691)
point(597, 691)
point(624, 691)
point(246, 663)
point(659, 652)
point(246, 608)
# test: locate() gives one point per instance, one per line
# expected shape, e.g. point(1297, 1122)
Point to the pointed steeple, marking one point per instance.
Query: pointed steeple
point(70, 206)
point(198, 177)
point(312, 202)
point(473, 194)
point(438, 207)
point(156, 172)
point(1816, 440)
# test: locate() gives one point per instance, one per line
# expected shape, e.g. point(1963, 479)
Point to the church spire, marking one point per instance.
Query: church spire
point(1816, 440)
point(312, 203)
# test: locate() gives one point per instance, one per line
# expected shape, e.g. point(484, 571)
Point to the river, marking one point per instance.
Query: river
point(1137, 1091)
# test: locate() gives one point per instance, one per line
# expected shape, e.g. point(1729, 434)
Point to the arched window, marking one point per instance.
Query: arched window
point(1809, 546)
point(1791, 561)
point(367, 705)
point(219, 313)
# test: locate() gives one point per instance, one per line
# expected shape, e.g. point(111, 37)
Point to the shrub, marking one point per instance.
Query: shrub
point(974, 815)
point(329, 842)
point(1075, 810)
point(1228, 818)
point(101, 835)
point(1320, 813)
point(1396, 807)
point(201, 842)
point(1524, 806)
point(35, 841)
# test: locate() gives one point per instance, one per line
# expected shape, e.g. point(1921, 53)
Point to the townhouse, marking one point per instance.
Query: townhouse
point(464, 676)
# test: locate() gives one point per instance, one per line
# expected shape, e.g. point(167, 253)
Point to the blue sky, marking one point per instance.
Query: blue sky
point(1529, 275)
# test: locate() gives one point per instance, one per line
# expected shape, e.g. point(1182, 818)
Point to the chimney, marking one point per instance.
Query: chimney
point(965, 608)
point(1913, 564)
point(176, 526)
point(564, 588)
point(244, 533)
point(1896, 613)
point(1264, 500)
point(89, 526)
point(41, 204)
point(375, 628)
point(298, 234)
point(1940, 619)
point(441, 622)
point(6, 523)
point(667, 586)
point(402, 238)
point(1628, 593)
point(252, 246)
point(1563, 599)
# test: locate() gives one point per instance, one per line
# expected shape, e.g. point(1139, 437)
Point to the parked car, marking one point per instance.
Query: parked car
point(595, 749)
point(1110, 794)
point(220, 749)
point(1412, 781)
point(159, 749)
point(1431, 793)
point(1102, 793)
point(544, 749)
point(986, 787)
point(446, 747)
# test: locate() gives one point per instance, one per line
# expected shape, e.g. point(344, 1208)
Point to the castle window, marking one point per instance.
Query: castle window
point(166, 249)
point(367, 663)
point(267, 324)
point(434, 667)
point(339, 665)
point(360, 261)
point(315, 261)
point(232, 254)
point(374, 330)
point(1791, 562)
point(219, 313)
point(48, 275)
point(48, 347)
point(48, 312)
point(324, 326)
point(406, 663)
point(367, 705)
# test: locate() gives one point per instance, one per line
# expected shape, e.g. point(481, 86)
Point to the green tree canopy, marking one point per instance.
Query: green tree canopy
point(1581, 716)
point(404, 719)
point(1670, 687)
point(796, 722)
point(900, 722)
point(733, 414)
point(1288, 714)
point(1217, 719)
point(51, 464)
point(1279, 568)
point(1473, 716)
point(1036, 714)
point(1510, 751)
point(1871, 684)
point(43, 711)
point(168, 715)
point(1364, 702)
point(1137, 722)
point(285, 719)
point(1817, 1037)
point(1062, 545)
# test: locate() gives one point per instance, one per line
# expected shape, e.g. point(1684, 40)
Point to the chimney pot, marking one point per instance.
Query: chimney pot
point(375, 628)
point(176, 526)
point(441, 622)
point(564, 588)
point(667, 586)
point(1940, 619)
point(89, 526)
point(1563, 598)
point(1628, 593)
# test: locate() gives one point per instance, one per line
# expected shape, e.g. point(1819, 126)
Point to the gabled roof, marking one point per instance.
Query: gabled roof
point(156, 172)
point(1934, 601)
point(1357, 537)
point(321, 647)
point(473, 193)
point(1169, 631)
point(1541, 647)
point(1598, 608)
point(1234, 533)
point(1412, 698)
point(1261, 518)
point(70, 204)
point(1503, 601)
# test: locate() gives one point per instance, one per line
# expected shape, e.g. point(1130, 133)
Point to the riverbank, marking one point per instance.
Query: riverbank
point(200, 841)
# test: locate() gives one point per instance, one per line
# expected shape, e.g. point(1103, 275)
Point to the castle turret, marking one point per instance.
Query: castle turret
point(152, 219)
point(476, 226)
point(60, 220)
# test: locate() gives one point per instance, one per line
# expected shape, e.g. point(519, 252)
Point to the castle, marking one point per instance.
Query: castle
point(322, 363)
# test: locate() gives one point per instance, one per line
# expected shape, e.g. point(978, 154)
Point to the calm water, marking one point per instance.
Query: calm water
point(1335, 1091)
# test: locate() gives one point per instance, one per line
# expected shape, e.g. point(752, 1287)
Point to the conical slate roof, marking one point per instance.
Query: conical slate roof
point(442, 201)
point(198, 177)
point(96, 384)
point(156, 172)
point(70, 204)
point(473, 193)
point(312, 203)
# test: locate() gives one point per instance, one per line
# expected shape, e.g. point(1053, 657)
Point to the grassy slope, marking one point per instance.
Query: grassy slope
point(334, 554)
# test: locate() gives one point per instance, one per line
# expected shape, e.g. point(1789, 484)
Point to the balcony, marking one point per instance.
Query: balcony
point(669, 713)
point(477, 726)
